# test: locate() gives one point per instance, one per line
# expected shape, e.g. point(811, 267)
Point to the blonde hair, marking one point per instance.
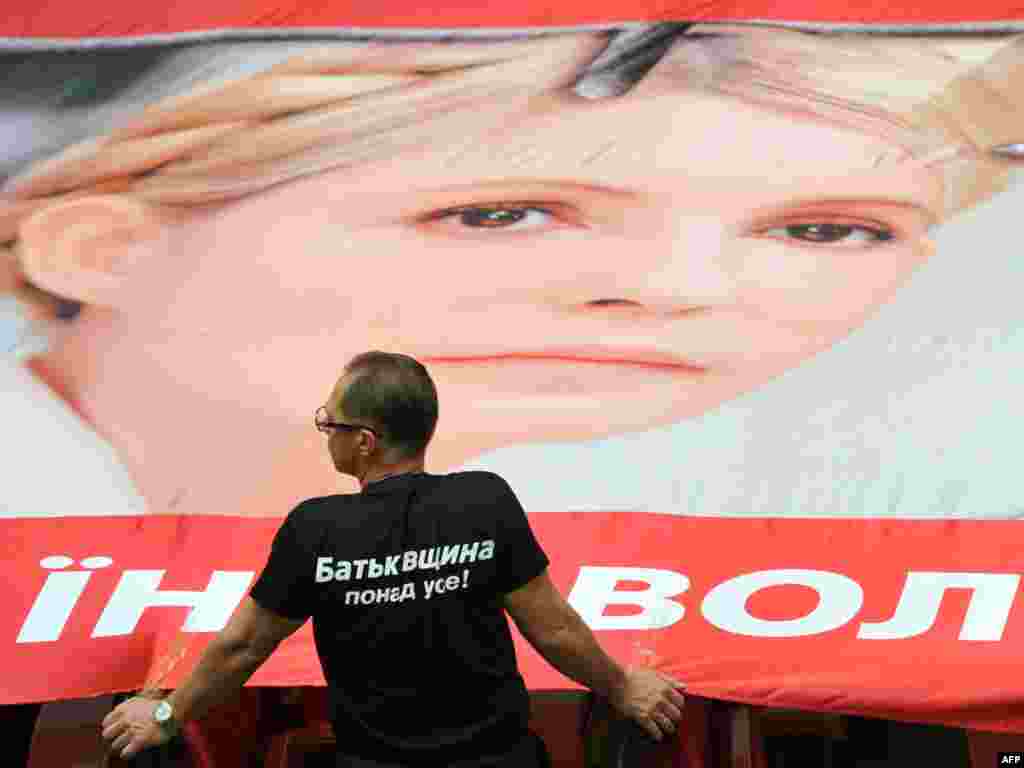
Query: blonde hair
point(944, 101)
point(226, 120)
point(328, 105)
point(215, 122)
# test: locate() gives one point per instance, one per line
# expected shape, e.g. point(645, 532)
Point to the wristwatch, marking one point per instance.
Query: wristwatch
point(163, 715)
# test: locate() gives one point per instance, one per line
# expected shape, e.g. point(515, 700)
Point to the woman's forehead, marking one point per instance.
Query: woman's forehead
point(658, 130)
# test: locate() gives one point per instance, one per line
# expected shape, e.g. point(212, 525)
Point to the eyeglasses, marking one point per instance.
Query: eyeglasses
point(323, 422)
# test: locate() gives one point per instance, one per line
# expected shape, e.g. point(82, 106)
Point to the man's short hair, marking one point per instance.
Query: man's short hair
point(394, 394)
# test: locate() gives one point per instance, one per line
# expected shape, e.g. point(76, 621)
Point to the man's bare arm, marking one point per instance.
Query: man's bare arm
point(558, 633)
point(231, 658)
point(561, 636)
point(228, 661)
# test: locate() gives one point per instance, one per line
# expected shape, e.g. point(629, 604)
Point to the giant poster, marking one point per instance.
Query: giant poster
point(735, 308)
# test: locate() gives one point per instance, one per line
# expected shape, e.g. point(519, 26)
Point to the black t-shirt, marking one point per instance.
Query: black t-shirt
point(404, 582)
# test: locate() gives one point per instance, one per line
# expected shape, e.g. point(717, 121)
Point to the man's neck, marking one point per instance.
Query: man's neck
point(375, 474)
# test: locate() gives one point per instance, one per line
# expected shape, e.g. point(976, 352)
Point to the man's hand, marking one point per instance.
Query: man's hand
point(653, 700)
point(130, 728)
point(558, 633)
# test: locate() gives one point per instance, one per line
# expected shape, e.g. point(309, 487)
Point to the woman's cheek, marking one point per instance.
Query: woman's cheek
point(824, 291)
point(473, 269)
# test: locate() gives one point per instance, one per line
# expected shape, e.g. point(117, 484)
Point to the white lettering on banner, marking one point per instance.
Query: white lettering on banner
point(595, 590)
point(138, 590)
point(57, 599)
point(839, 599)
point(992, 596)
point(360, 567)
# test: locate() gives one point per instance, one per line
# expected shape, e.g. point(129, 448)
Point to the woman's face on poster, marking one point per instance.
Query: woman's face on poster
point(582, 269)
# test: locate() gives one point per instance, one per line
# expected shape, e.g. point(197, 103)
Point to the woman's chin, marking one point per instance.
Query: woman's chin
point(489, 431)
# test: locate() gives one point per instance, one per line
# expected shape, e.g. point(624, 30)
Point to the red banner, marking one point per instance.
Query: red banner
point(758, 285)
point(112, 18)
point(914, 620)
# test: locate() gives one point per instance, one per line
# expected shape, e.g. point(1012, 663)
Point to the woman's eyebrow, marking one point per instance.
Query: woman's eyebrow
point(833, 204)
point(522, 190)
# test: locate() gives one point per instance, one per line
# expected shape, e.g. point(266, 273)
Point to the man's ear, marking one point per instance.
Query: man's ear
point(84, 249)
point(367, 442)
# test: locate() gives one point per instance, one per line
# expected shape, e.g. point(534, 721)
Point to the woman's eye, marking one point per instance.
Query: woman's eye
point(831, 234)
point(504, 218)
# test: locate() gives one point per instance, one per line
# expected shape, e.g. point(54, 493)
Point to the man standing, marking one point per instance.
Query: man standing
point(408, 583)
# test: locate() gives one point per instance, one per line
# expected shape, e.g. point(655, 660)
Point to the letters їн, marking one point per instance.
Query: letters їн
point(136, 591)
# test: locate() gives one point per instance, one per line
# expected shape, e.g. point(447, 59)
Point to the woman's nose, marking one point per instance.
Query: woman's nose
point(683, 267)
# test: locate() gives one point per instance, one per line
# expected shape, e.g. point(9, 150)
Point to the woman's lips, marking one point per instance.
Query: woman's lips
point(650, 359)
